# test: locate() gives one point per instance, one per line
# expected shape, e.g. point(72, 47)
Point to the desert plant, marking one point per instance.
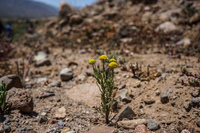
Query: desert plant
point(3, 93)
point(195, 78)
point(104, 76)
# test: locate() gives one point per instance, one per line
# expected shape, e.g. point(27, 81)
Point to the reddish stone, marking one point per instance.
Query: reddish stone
point(141, 129)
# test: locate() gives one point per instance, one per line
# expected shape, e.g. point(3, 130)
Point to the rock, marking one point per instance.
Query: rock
point(89, 72)
point(125, 31)
point(148, 101)
point(19, 99)
point(43, 119)
point(66, 74)
point(141, 129)
point(26, 130)
point(82, 51)
point(185, 131)
point(123, 95)
point(166, 27)
point(198, 122)
point(88, 93)
point(55, 84)
point(40, 56)
point(12, 81)
point(60, 123)
point(152, 125)
point(131, 124)
point(60, 113)
point(157, 92)
point(65, 130)
point(164, 98)
point(136, 83)
point(169, 90)
point(45, 62)
point(7, 129)
point(125, 112)
point(165, 16)
point(64, 9)
point(110, 14)
point(196, 101)
point(75, 20)
point(187, 106)
point(184, 42)
point(81, 77)
point(122, 86)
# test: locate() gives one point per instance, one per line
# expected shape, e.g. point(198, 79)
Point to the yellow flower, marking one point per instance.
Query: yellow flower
point(92, 61)
point(103, 57)
point(112, 60)
point(113, 64)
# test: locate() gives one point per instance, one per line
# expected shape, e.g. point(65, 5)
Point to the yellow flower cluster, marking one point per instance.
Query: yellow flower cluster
point(103, 57)
point(112, 60)
point(113, 65)
point(92, 61)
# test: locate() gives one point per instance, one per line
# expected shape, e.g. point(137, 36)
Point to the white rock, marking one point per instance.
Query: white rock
point(166, 27)
point(66, 74)
point(131, 124)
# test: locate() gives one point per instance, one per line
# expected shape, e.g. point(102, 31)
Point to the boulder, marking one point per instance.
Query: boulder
point(19, 99)
point(131, 124)
point(64, 9)
point(12, 81)
point(66, 74)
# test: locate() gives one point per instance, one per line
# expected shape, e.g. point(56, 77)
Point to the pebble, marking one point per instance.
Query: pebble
point(164, 98)
point(60, 123)
point(152, 125)
point(66, 74)
point(125, 112)
point(187, 106)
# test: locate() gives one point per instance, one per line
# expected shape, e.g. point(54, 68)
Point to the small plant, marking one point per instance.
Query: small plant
point(3, 93)
point(104, 76)
point(194, 80)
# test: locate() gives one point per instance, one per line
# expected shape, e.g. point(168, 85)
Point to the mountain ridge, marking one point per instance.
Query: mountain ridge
point(26, 9)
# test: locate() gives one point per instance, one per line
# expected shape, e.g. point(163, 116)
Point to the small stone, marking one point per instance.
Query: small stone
point(125, 112)
point(40, 56)
point(152, 125)
point(185, 131)
point(121, 86)
point(65, 130)
point(43, 119)
point(141, 129)
point(123, 95)
point(187, 106)
point(55, 84)
point(169, 90)
point(52, 121)
point(148, 101)
point(60, 113)
point(7, 129)
point(66, 74)
point(45, 62)
point(157, 92)
point(19, 99)
point(198, 122)
point(11, 81)
point(164, 98)
point(60, 123)
point(131, 124)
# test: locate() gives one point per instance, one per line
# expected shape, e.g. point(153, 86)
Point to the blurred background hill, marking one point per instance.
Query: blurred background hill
point(26, 9)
